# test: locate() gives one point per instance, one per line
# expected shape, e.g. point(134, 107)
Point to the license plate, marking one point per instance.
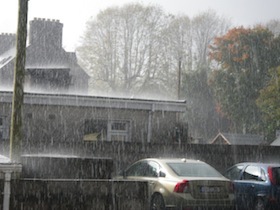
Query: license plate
point(206, 189)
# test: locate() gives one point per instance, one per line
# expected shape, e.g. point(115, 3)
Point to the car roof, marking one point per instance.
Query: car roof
point(168, 160)
point(259, 164)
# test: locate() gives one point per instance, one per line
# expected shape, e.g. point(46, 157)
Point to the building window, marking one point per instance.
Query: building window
point(104, 130)
point(118, 131)
point(4, 132)
point(95, 130)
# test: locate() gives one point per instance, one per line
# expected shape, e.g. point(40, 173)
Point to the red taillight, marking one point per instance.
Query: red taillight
point(182, 187)
point(271, 176)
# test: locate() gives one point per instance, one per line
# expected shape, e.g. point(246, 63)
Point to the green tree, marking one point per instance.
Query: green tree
point(269, 103)
point(242, 58)
point(203, 118)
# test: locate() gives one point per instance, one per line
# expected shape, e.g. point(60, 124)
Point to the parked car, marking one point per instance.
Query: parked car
point(257, 185)
point(182, 184)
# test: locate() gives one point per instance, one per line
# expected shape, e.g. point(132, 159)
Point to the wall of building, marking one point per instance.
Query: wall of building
point(57, 124)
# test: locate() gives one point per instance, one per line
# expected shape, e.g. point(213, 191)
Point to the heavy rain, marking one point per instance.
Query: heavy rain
point(150, 109)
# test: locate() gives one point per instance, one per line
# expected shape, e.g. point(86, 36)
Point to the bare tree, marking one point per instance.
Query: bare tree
point(176, 53)
point(274, 26)
point(120, 47)
point(138, 49)
point(205, 27)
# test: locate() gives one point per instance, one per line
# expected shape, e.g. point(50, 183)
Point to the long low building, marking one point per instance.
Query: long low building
point(58, 118)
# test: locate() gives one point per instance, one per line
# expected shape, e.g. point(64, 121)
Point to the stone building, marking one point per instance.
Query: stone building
point(49, 68)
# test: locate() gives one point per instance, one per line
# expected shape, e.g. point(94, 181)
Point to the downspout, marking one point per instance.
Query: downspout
point(150, 123)
point(7, 190)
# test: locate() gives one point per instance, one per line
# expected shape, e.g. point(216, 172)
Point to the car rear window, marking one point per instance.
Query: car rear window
point(194, 170)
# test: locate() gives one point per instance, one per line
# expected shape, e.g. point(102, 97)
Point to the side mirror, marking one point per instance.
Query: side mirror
point(162, 174)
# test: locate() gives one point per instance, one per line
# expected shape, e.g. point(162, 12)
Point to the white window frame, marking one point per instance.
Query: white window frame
point(122, 134)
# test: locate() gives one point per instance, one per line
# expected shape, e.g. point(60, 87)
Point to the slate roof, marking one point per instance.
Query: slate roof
point(238, 139)
point(52, 58)
point(276, 142)
point(36, 57)
point(6, 57)
point(97, 101)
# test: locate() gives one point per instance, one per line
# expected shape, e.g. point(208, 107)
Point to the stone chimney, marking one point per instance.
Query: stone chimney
point(7, 41)
point(45, 32)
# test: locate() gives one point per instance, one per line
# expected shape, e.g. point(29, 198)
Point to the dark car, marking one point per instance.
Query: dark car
point(182, 184)
point(257, 185)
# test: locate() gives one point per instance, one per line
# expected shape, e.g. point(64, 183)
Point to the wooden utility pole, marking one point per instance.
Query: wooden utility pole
point(179, 78)
point(19, 73)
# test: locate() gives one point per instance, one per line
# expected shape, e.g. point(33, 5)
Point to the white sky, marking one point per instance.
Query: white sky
point(74, 14)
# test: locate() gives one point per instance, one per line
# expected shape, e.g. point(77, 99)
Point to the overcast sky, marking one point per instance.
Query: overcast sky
point(74, 14)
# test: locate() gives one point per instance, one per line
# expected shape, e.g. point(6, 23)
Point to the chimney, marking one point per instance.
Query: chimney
point(7, 41)
point(45, 32)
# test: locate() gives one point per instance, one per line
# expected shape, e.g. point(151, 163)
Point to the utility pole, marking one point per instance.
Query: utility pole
point(177, 131)
point(19, 73)
point(179, 77)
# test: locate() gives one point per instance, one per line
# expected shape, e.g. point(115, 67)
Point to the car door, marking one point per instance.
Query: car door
point(147, 171)
point(245, 186)
point(234, 174)
point(151, 174)
point(251, 185)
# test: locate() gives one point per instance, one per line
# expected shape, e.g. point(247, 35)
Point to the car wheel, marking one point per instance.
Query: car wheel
point(157, 202)
point(259, 204)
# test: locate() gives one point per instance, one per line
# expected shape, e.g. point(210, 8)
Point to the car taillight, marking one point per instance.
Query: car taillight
point(182, 187)
point(271, 176)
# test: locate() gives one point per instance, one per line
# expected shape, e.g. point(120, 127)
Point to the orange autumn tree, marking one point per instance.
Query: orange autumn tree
point(242, 58)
